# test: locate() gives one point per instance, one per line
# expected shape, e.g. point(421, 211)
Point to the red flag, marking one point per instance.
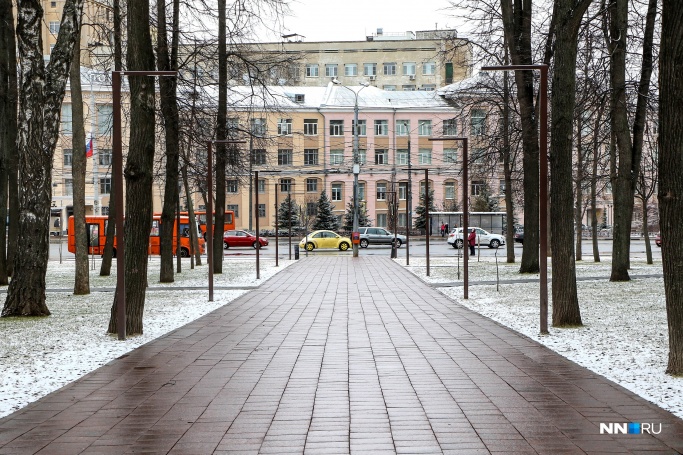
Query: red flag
point(88, 149)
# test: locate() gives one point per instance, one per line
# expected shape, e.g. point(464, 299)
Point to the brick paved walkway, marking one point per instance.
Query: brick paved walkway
point(335, 356)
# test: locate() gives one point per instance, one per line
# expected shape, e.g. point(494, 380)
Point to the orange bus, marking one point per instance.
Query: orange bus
point(229, 224)
point(96, 236)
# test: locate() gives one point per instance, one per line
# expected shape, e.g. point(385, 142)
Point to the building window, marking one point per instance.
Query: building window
point(381, 127)
point(425, 156)
point(381, 191)
point(67, 119)
point(336, 156)
point(428, 87)
point(477, 187)
point(409, 88)
point(53, 4)
point(310, 127)
point(478, 155)
point(350, 69)
point(336, 127)
point(262, 210)
point(232, 124)
point(104, 157)
point(429, 69)
point(105, 210)
point(362, 131)
point(312, 70)
point(284, 157)
point(381, 220)
point(231, 186)
point(389, 88)
point(361, 191)
point(261, 186)
point(311, 209)
point(369, 69)
point(286, 185)
point(258, 126)
point(105, 185)
point(54, 27)
point(52, 47)
point(331, 70)
point(68, 187)
point(68, 157)
point(501, 186)
point(235, 208)
point(105, 119)
point(310, 157)
point(449, 190)
point(424, 127)
point(381, 156)
point(312, 185)
point(362, 157)
point(450, 127)
point(284, 126)
point(478, 121)
point(402, 191)
point(402, 220)
point(390, 69)
point(336, 191)
point(409, 69)
point(450, 156)
point(259, 157)
point(402, 127)
point(401, 156)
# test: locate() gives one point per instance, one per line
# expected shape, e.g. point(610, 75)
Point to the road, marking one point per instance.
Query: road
point(437, 248)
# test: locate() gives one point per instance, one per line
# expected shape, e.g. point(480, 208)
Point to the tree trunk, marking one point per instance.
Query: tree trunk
point(42, 92)
point(82, 278)
point(8, 120)
point(565, 301)
point(138, 171)
point(646, 233)
point(594, 183)
point(670, 192)
point(221, 134)
point(517, 24)
point(578, 208)
point(167, 61)
point(105, 268)
point(507, 169)
point(194, 237)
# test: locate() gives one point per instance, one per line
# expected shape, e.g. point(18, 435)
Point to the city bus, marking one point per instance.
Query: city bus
point(229, 224)
point(96, 236)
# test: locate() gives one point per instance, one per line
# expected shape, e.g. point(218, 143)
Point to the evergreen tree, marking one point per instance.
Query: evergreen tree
point(288, 209)
point(325, 218)
point(363, 219)
point(484, 202)
point(420, 221)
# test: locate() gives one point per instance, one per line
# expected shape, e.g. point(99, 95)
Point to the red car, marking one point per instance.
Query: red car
point(658, 240)
point(241, 238)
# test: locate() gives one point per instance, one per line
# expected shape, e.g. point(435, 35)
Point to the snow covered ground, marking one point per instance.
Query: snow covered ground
point(40, 355)
point(624, 337)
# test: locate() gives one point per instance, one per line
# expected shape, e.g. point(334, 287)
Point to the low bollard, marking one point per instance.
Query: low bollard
point(394, 250)
point(296, 252)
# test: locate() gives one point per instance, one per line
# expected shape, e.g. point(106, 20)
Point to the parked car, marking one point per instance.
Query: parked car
point(241, 238)
point(658, 240)
point(379, 236)
point(325, 239)
point(484, 238)
point(519, 236)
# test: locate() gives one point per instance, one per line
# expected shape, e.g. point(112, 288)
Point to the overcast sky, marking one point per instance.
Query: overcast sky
point(353, 20)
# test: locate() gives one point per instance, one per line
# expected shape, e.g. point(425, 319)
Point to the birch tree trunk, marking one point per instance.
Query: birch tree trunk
point(41, 95)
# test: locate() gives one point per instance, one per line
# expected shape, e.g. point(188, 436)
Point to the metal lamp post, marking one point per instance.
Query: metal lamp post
point(356, 163)
point(543, 192)
point(117, 174)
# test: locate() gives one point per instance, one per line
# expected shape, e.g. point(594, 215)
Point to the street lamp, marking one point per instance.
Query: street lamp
point(543, 181)
point(356, 163)
point(117, 174)
point(210, 218)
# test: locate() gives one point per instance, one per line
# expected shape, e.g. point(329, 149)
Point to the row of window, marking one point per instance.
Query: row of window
point(105, 186)
point(105, 118)
point(449, 127)
point(104, 157)
point(370, 69)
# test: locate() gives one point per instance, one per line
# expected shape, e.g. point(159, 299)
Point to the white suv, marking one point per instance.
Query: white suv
point(484, 238)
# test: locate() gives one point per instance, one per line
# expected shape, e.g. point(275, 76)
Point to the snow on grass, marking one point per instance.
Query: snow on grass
point(40, 355)
point(625, 334)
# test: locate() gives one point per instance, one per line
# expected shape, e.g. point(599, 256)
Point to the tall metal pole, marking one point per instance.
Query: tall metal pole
point(289, 218)
point(356, 170)
point(465, 219)
point(251, 161)
point(95, 157)
point(117, 174)
point(543, 198)
point(427, 222)
point(258, 238)
point(409, 202)
point(277, 228)
point(209, 216)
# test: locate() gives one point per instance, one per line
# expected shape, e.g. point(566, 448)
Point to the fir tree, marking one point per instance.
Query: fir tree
point(484, 202)
point(325, 218)
point(363, 219)
point(288, 209)
point(420, 221)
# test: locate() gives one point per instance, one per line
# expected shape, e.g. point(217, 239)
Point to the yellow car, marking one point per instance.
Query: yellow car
point(325, 239)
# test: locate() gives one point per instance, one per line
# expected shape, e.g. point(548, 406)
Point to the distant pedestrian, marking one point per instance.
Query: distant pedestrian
point(472, 240)
point(446, 229)
point(443, 229)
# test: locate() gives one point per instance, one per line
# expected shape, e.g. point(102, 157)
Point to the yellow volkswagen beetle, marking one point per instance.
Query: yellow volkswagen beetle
point(325, 239)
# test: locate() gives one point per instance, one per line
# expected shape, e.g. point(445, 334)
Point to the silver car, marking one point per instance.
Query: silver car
point(379, 236)
point(484, 238)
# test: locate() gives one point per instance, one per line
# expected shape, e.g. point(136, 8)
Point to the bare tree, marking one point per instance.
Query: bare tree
point(41, 94)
